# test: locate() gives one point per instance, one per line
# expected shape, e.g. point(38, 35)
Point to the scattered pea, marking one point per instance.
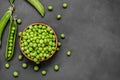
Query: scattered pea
point(56, 67)
point(64, 5)
point(19, 21)
point(69, 53)
point(7, 65)
point(15, 74)
point(62, 36)
point(20, 57)
point(59, 44)
point(19, 34)
point(24, 65)
point(59, 16)
point(44, 72)
point(36, 68)
point(58, 49)
point(50, 8)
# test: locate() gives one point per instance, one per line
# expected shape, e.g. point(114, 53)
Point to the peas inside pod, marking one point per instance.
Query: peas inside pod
point(38, 42)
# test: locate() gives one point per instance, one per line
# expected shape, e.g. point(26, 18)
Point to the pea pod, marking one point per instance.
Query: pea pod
point(4, 21)
point(11, 40)
point(38, 5)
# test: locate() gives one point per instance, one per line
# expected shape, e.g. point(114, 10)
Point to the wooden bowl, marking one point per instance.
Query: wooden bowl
point(53, 52)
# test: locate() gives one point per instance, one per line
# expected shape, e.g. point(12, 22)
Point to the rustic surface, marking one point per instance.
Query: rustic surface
point(92, 29)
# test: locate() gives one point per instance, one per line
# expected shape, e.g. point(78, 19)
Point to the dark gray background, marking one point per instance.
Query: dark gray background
point(92, 29)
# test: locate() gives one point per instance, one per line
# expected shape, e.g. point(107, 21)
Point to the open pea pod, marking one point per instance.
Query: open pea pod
point(11, 40)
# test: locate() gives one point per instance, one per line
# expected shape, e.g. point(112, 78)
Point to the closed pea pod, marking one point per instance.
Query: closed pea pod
point(4, 21)
point(10, 52)
point(38, 5)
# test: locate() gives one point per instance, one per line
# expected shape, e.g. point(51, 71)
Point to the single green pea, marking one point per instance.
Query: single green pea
point(50, 8)
point(27, 51)
point(7, 65)
point(19, 21)
point(47, 55)
point(22, 48)
point(36, 68)
point(59, 16)
point(12, 32)
point(24, 65)
point(44, 72)
point(58, 49)
point(68, 53)
point(59, 44)
point(19, 34)
point(11, 37)
point(20, 57)
point(15, 74)
point(62, 36)
point(34, 45)
point(10, 41)
point(9, 52)
point(30, 49)
point(38, 62)
point(28, 40)
point(64, 5)
point(8, 55)
point(25, 43)
point(10, 48)
point(35, 60)
point(56, 67)
point(13, 28)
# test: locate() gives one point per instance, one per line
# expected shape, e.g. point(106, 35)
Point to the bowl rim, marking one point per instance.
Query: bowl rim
point(53, 52)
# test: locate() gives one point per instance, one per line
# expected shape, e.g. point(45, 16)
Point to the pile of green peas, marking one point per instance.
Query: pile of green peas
point(38, 42)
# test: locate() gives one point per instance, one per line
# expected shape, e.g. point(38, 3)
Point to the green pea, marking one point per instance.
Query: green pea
point(58, 49)
point(15, 74)
point(59, 16)
point(19, 21)
point(24, 65)
point(10, 44)
point(44, 72)
point(59, 44)
point(7, 65)
point(30, 49)
point(64, 5)
point(35, 60)
point(22, 48)
point(9, 52)
point(19, 34)
point(38, 62)
point(69, 53)
point(56, 67)
point(13, 28)
point(50, 8)
point(20, 57)
point(36, 68)
point(12, 31)
point(11, 37)
point(10, 48)
point(62, 36)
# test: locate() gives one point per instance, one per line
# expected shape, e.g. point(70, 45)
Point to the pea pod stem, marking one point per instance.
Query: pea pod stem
point(38, 5)
point(10, 49)
point(4, 20)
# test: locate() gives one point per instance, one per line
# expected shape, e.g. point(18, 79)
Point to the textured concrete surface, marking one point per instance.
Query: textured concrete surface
point(92, 29)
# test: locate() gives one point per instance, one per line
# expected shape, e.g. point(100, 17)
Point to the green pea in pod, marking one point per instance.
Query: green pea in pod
point(4, 20)
point(11, 39)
